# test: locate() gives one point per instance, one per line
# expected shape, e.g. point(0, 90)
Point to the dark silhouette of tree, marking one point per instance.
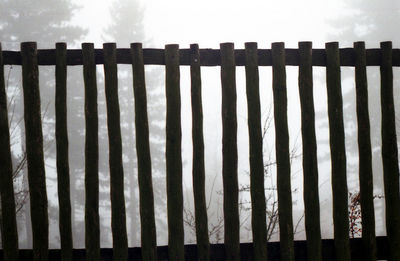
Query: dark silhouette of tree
point(45, 22)
point(127, 27)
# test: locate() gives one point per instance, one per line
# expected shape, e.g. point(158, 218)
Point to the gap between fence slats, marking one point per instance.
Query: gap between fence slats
point(365, 155)
point(310, 162)
point(9, 230)
point(146, 197)
point(203, 244)
point(173, 154)
point(338, 153)
point(63, 181)
point(118, 213)
point(282, 153)
point(92, 229)
point(34, 151)
point(390, 153)
point(230, 154)
point(257, 192)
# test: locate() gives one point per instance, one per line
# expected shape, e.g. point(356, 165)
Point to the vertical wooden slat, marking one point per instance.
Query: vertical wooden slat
point(34, 151)
point(338, 153)
point(92, 230)
point(390, 153)
point(229, 153)
point(118, 215)
point(203, 244)
point(257, 192)
point(9, 231)
point(63, 183)
point(310, 164)
point(173, 154)
point(365, 156)
point(282, 152)
point(148, 227)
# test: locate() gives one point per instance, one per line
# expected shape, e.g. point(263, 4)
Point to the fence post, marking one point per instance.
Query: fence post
point(390, 153)
point(338, 153)
point(173, 154)
point(9, 230)
point(147, 219)
point(365, 157)
point(34, 151)
point(118, 214)
point(92, 230)
point(282, 152)
point(257, 192)
point(310, 163)
point(203, 244)
point(63, 183)
point(229, 153)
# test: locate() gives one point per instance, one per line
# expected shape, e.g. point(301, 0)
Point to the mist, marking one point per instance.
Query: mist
point(156, 23)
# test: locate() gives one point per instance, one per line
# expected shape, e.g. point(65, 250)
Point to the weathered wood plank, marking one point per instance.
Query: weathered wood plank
point(118, 214)
point(310, 162)
point(390, 153)
point(8, 224)
point(230, 154)
point(200, 205)
point(147, 218)
point(257, 192)
point(209, 57)
point(365, 155)
point(338, 153)
point(92, 229)
point(63, 181)
point(34, 151)
point(173, 154)
point(282, 152)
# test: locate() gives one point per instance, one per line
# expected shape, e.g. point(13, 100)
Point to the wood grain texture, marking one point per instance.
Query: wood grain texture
point(310, 162)
point(118, 213)
point(282, 152)
point(338, 153)
point(230, 154)
point(174, 154)
point(390, 153)
point(34, 151)
point(257, 190)
point(365, 154)
point(147, 218)
point(92, 226)
point(63, 181)
point(200, 204)
point(8, 224)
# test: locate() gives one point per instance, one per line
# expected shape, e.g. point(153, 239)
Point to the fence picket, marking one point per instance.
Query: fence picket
point(257, 192)
point(118, 214)
point(34, 151)
point(92, 230)
point(310, 163)
point(282, 152)
point(147, 219)
point(203, 244)
point(365, 155)
point(229, 153)
point(63, 182)
point(8, 217)
point(390, 153)
point(173, 154)
point(338, 153)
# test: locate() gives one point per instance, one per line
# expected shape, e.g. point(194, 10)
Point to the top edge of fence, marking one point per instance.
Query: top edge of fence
point(208, 56)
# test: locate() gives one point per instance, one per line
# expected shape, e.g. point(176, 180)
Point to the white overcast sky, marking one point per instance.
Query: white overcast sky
point(210, 22)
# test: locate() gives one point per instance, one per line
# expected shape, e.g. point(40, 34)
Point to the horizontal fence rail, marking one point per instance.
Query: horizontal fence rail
point(278, 57)
point(208, 57)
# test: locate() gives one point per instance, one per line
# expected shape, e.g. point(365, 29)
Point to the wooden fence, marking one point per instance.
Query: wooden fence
point(227, 58)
